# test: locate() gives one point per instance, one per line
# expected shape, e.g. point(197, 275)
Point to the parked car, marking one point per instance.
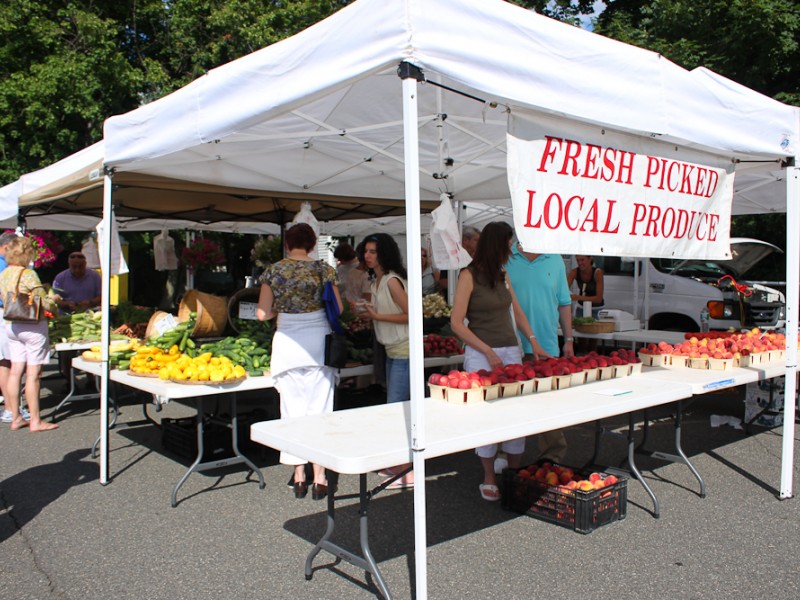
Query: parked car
point(681, 289)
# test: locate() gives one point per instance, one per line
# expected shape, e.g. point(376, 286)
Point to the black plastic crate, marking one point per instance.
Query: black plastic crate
point(179, 436)
point(581, 511)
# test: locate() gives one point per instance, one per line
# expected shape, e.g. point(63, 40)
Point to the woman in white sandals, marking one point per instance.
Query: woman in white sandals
point(485, 298)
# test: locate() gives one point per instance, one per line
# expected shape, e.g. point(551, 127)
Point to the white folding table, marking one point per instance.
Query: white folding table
point(362, 440)
point(168, 390)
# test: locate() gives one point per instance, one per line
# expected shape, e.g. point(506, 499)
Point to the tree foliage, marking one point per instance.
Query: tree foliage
point(67, 65)
point(754, 42)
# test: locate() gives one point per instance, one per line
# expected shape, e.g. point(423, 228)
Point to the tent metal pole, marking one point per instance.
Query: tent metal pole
point(410, 75)
point(792, 301)
point(105, 331)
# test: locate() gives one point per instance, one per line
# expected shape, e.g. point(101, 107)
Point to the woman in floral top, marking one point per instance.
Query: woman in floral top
point(291, 289)
point(28, 343)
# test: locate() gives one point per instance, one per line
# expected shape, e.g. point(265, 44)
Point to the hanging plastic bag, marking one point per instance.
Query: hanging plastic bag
point(164, 252)
point(305, 215)
point(118, 264)
point(89, 250)
point(446, 238)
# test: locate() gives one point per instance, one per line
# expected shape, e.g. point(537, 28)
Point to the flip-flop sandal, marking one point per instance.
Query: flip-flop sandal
point(489, 492)
point(400, 485)
point(390, 472)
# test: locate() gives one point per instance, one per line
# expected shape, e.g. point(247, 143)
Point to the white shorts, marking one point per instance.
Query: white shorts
point(28, 342)
point(475, 361)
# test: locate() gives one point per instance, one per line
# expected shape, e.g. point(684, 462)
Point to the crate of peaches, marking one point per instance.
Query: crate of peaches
point(578, 500)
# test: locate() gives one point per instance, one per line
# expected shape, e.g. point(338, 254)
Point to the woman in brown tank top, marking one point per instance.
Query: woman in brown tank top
point(485, 297)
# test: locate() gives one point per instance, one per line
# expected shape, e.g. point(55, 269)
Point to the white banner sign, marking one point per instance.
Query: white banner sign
point(582, 190)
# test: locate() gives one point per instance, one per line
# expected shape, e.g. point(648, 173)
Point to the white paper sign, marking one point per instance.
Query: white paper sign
point(580, 189)
point(165, 324)
point(247, 310)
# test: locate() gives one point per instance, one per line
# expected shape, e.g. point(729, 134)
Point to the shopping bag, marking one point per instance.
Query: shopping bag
point(335, 350)
point(331, 308)
point(446, 238)
point(306, 215)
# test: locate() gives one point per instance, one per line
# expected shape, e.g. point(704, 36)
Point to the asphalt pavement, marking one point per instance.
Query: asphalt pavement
point(63, 535)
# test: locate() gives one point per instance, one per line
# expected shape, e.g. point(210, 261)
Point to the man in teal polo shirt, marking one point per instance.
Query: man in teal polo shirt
point(540, 283)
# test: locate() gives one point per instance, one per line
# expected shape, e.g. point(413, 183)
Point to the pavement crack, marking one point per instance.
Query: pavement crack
point(4, 508)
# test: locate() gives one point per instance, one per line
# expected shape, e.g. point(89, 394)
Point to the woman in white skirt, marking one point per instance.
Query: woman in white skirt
point(291, 289)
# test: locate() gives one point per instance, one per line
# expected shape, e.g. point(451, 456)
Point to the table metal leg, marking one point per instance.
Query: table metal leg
point(680, 457)
point(71, 395)
point(147, 420)
point(635, 470)
point(366, 562)
point(198, 466)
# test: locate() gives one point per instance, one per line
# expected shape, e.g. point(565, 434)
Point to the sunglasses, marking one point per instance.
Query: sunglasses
point(77, 256)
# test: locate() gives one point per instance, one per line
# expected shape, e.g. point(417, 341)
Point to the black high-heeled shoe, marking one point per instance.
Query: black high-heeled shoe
point(300, 489)
point(319, 491)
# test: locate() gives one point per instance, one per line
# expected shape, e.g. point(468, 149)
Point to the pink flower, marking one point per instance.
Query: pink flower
point(202, 252)
point(42, 242)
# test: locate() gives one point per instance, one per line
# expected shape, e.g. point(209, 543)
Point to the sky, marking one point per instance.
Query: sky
point(586, 21)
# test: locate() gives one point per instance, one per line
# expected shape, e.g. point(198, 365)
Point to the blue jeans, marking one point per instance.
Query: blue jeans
point(398, 385)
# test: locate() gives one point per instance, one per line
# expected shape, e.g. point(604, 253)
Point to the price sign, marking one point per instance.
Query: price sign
point(165, 324)
point(247, 311)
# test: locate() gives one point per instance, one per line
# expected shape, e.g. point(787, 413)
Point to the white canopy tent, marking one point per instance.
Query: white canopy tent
point(325, 112)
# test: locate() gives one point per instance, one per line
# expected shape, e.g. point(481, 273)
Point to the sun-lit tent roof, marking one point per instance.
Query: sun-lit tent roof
point(320, 112)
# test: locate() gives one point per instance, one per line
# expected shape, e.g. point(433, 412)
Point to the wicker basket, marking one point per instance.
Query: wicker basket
point(151, 324)
point(243, 295)
point(596, 327)
point(212, 313)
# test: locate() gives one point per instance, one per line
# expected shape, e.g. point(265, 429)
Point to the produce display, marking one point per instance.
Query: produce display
point(565, 496)
point(583, 320)
point(356, 354)
point(131, 320)
point(252, 354)
point(135, 331)
point(462, 387)
point(566, 478)
point(77, 327)
point(717, 350)
point(434, 305)
point(177, 336)
point(119, 353)
point(175, 366)
point(441, 345)
point(85, 326)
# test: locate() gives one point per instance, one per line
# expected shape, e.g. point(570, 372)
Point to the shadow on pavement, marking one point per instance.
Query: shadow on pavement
point(25, 494)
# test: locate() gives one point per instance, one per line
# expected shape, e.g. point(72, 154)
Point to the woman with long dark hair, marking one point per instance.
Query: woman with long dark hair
point(485, 298)
point(389, 313)
point(291, 289)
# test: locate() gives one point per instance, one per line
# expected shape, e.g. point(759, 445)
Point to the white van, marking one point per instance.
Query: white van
point(680, 290)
